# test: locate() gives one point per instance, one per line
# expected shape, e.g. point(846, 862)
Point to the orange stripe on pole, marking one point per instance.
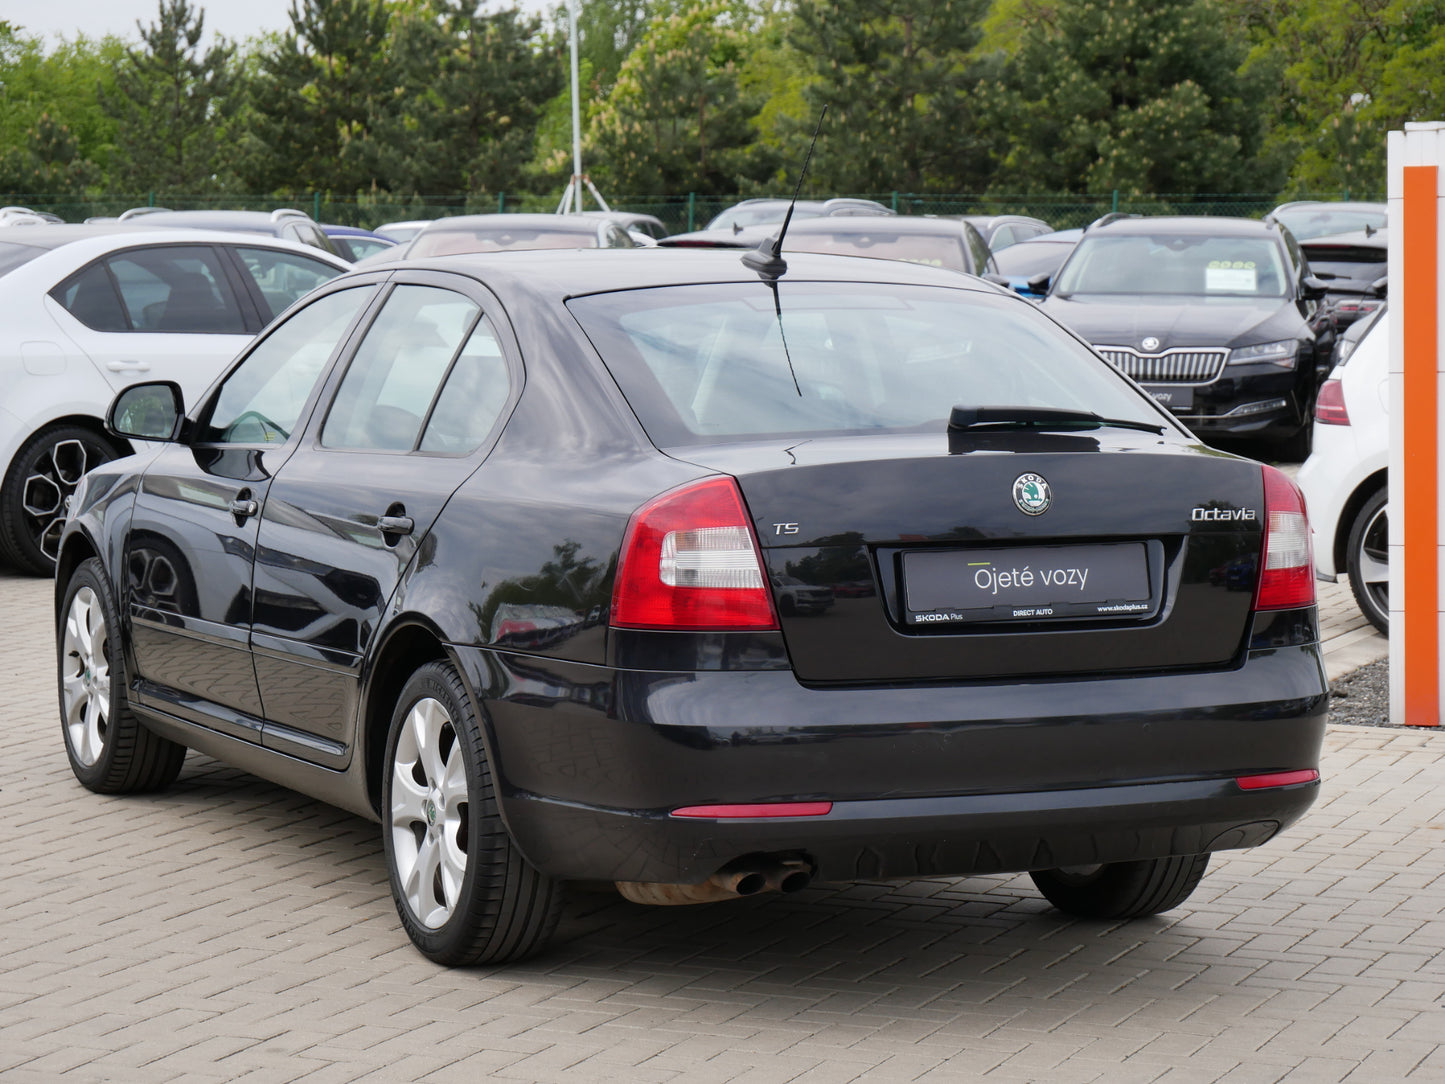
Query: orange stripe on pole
point(1419, 470)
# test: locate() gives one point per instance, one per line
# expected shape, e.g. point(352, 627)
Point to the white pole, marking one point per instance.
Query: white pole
point(576, 110)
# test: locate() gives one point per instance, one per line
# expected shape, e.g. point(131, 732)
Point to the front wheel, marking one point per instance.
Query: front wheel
point(464, 893)
point(110, 751)
point(1114, 890)
point(1367, 560)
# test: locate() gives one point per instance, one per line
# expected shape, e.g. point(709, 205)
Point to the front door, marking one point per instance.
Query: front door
point(192, 539)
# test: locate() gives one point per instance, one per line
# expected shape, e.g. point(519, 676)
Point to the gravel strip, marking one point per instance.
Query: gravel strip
point(1362, 697)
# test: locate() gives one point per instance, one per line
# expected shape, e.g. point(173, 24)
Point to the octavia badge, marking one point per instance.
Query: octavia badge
point(1150, 343)
point(1031, 494)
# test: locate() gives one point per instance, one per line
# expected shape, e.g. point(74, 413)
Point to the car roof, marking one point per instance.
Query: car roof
point(559, 223)
point(255, 220)
point(1186, 225)
point(1371, 238)
point(564, 273)
point(353, 231)
point(56, 236)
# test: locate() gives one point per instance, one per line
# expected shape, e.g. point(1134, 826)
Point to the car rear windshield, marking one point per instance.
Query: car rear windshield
point(435, 242)
point(728, 362)
point(1190, 265)
point(12, 256)
point(934, 250)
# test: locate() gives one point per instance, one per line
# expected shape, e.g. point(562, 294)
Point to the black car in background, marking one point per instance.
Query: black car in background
point(647, 567)
point(1215, 317)
point(1354, 268)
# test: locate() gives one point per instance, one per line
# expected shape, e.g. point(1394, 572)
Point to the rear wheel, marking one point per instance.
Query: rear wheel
point(1122, 889)
point(43, 474)
point(464, 893)
point(1367, 560)
point(110, 751)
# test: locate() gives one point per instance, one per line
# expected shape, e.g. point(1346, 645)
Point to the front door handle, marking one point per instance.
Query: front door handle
point(128, 366)
point(241, 508)
point(398, 525)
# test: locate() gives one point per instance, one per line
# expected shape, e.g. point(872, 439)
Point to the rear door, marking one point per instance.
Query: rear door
point(410, 418)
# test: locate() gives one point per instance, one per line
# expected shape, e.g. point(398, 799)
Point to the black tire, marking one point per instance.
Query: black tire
point(110, 750)
point(1367, 559)
point(42, 475)
point(495, 907)
point(1122, 889)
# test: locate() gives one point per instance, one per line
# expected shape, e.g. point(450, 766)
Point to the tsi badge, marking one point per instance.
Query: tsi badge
point(1031, 494)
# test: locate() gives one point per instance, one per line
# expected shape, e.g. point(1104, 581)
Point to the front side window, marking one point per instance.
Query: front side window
point(284, 277)
point(387, 393)
point(1187, 265)
point(703, 364)
point(263, 398)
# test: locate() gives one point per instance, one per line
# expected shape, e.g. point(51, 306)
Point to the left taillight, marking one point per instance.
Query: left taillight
point(1330, 404)
point(690, 562)
point(1286, 578)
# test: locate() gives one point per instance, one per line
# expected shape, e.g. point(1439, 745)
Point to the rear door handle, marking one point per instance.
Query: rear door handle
point(128, 366)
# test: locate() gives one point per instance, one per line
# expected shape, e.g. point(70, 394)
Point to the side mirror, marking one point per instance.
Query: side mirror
point(1314, 288)
point(152, 411)
point(1039, 283)
point(1380, 287)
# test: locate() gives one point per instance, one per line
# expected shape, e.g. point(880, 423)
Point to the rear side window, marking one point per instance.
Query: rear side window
point(179, 289)
point(704, 364)
point(387, 394)
point(283, 277)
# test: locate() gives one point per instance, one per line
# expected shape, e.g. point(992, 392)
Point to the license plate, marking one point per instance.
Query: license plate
point(1171, 395)
point(1027, 583)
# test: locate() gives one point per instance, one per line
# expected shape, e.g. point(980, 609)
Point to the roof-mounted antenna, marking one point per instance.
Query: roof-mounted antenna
point(767, 258)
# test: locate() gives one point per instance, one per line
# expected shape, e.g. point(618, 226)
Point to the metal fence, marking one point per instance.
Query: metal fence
point(680, 212)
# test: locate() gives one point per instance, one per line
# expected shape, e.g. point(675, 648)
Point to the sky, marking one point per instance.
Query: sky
point(236, 19)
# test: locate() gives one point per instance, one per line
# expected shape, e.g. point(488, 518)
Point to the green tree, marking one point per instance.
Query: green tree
point(44, 93)
point(475, 85)
point(897, 77)
point(169, 105)
point(47, 162)
point(316, 96)
point(677, 119)
point(1343, 73)
point(1143, 96)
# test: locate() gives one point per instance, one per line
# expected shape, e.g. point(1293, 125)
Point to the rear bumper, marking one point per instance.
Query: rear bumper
point(924, 780)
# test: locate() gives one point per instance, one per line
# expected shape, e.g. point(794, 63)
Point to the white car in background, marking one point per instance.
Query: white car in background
point(90, 309)
point(1344, 480)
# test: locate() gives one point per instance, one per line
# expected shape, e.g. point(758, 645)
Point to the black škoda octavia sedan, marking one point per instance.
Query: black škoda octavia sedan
point(495, 550)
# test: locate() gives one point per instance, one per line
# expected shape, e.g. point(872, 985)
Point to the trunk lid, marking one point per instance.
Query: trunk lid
point(1014, 554)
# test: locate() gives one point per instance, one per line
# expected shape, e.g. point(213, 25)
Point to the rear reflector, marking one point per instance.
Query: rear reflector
point(689, 562)
point(760, 809)
point(1278, 779)
point(1330, 404)
point(1286, 578)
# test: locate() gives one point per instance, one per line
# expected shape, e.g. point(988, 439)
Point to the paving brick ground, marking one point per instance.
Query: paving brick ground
point(228, 930)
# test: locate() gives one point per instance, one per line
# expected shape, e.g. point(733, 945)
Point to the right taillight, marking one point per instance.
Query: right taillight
point(1330, 404)
point(690, 562)
point(1286, 578)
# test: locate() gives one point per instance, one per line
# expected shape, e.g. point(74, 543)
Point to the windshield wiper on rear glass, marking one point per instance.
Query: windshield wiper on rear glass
point(1031, 417)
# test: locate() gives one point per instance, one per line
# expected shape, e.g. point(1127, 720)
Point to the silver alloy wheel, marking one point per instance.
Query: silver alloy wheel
point(85, 677)
point(428, 816)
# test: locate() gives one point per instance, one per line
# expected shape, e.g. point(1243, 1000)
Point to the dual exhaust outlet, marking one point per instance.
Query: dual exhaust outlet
point(741, 878)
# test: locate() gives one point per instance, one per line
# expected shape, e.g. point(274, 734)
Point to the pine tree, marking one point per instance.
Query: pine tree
point(169, 102)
